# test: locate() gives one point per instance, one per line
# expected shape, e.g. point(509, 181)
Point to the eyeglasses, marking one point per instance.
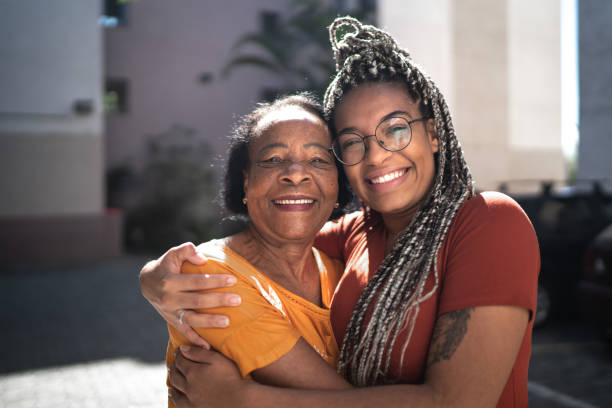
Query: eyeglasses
point(392, 134)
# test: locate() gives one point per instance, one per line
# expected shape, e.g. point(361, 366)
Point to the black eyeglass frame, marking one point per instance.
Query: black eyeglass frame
point(381, 144)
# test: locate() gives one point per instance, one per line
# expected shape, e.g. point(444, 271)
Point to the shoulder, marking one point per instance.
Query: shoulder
point(491, 204)
point(493, 224)
point(219, 259)
point(492, 211)
point(344, 224)
point(490, 256)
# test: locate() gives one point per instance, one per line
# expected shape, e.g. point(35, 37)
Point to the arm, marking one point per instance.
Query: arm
point(468, 365)
point(169, 292)
point(262, 340)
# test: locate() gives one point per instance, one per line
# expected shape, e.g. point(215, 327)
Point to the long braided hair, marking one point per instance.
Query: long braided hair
point(393, 296)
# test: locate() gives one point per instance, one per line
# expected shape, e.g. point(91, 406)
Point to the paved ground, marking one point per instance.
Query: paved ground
point(84, 337)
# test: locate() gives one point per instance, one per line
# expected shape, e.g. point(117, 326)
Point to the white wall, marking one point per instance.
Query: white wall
point(498, 65)
point(420, 27)
point(51, 56)
point(51, 160)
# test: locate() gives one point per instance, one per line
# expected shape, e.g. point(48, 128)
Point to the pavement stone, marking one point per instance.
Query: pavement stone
point(85, 337)
point(80, 337)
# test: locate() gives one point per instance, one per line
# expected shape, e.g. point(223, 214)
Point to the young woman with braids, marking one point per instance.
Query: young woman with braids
point(436, 304)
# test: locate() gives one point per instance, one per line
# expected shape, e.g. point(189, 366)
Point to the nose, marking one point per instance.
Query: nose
point(296, 173)
point(374, 154)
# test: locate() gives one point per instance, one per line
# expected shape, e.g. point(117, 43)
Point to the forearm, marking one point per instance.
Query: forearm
point(386, 396)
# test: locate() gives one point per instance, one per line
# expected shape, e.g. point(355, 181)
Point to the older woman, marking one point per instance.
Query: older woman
point(282, 174)
point(439, 290)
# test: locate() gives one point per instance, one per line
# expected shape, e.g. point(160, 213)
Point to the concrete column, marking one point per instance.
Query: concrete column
point(595, 55)
point(498, 65)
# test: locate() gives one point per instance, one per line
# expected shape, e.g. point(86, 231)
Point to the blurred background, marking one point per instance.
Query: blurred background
point(114, 117)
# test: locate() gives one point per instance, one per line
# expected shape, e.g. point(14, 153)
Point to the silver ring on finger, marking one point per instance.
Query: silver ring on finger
point(180, 316)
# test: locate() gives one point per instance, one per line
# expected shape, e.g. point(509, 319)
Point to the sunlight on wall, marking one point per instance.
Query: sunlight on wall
point(569, 78)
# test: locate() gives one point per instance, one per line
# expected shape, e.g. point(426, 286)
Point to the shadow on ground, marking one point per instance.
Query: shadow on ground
point(51, 317)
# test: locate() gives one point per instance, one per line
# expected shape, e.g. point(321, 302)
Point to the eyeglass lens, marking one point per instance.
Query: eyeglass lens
point(392, 134)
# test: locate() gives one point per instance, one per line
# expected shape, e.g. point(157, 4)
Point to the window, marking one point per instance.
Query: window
point(116, 96)
point(115, 13)
point(269, 21)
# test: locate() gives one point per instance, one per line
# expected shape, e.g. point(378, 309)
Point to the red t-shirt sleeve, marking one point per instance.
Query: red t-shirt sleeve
point(333, 237)
point(491, 257)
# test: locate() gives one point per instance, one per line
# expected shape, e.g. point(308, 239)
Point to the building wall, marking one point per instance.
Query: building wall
point(498, 65)
point(595, 53)
point(51, 154)
point(51, 159)
point(162, 51)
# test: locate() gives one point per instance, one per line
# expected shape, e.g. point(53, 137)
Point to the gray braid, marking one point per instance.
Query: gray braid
point(393, 296)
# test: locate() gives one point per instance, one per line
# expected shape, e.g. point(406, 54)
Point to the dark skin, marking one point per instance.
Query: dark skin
point(454, 376)
point(291, 186)
point(468, 363)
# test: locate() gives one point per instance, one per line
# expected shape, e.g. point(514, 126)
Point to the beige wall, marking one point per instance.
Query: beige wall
point(50, 174)
point(498, 64)
point(51, 159)
point(421, 26)
point(162, 51)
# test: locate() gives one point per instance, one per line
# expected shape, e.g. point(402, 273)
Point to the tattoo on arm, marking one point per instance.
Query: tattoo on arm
point(447, 335)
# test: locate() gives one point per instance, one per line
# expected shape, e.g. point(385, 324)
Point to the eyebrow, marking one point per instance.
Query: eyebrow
point(326, 148)
point(272, 146)
point(283, 145)
point(387, 116)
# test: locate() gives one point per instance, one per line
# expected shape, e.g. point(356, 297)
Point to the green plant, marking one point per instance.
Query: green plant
point(296, 48)
point(171, 200)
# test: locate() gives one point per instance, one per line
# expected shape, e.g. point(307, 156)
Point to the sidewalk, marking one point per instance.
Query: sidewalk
point(81, 337)
point(85, 337)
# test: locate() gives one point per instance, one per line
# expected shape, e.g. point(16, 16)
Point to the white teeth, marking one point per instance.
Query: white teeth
point(387, 177)
point(293, 202)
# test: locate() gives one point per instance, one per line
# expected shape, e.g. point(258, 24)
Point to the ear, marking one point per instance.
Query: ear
point(432, 135)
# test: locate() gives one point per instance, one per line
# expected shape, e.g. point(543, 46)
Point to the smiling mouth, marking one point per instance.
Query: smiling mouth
point(293, 202)
point(387, 177)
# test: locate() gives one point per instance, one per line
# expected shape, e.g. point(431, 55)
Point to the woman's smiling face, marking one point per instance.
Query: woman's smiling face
point(388, 182)
point(291, 183)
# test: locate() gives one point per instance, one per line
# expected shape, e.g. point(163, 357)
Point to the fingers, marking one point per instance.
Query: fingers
point(193, 336)
point(179, 399)
point(195, 354)
point(185, 252)
point(190, 282)
point(172, 298)
point(209, 300)
point(177, 378)
point(205, 321)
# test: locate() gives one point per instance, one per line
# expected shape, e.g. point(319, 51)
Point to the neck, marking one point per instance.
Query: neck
point(290, 264)
point(395, 223)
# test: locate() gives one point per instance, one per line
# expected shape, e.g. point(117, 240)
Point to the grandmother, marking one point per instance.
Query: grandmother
point(281, 173)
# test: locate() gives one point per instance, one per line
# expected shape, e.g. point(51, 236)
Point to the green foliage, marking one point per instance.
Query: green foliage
point(172, 199)
point(297, 48)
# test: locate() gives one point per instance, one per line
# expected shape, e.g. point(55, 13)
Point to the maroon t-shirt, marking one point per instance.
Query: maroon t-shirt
point(489, 257)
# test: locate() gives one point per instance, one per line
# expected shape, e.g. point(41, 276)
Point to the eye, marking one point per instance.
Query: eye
point(270, 162)
point(274, 159)
point(396, 130)
point(320, 162)
point(349, 141)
